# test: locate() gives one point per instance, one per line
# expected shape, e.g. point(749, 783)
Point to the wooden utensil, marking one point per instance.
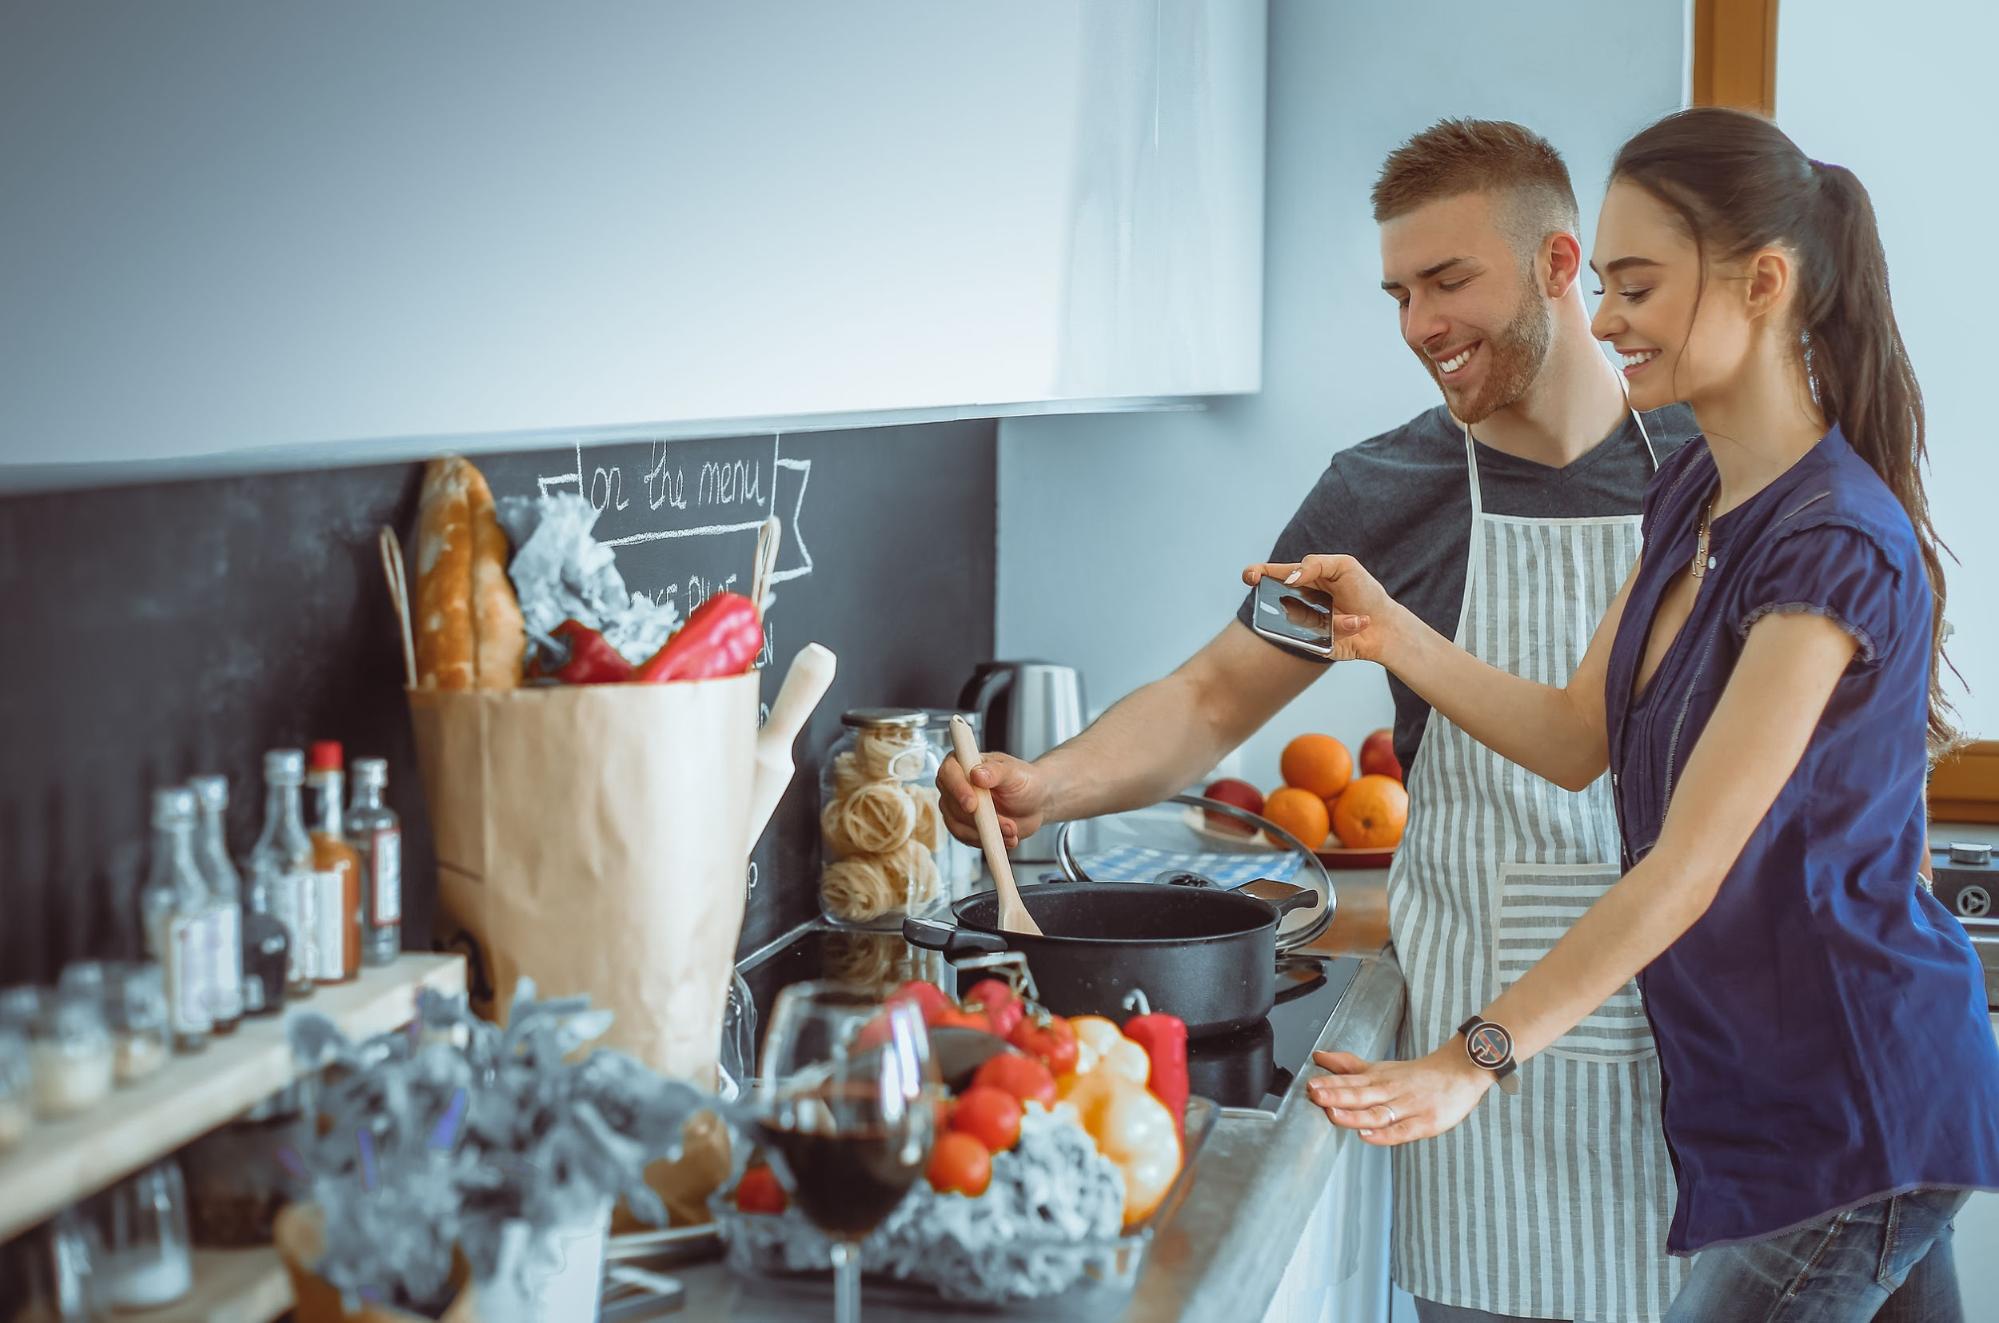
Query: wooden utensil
point(769, 534)
point(804, 685)
point(1013, 915)
point(399, 596)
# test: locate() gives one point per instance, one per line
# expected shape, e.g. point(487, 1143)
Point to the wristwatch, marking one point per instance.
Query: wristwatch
point(1490, 1048)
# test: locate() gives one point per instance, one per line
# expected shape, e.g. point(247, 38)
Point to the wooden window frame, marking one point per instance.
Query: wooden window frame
point(1735, 54)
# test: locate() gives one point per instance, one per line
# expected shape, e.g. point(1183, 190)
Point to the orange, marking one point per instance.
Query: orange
point(1372, 813)
point(1318, 763)
point(1299, 812)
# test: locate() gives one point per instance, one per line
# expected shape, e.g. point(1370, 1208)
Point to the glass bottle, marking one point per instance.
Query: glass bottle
point(338, 870)
point(281, 868)
point(176, 918)
point(225, 891)
point(377, 833)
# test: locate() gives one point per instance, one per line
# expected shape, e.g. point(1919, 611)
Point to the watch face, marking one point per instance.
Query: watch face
point(1489, 1046)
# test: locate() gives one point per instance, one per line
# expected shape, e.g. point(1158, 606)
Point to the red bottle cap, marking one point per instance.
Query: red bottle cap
point(325, 756)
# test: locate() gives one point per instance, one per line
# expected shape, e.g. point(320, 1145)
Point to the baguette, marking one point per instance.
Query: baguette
point(446, 640)
point(499, 633)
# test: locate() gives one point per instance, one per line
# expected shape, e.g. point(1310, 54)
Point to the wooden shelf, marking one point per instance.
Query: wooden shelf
point(60, 1162)
point(230, 1286)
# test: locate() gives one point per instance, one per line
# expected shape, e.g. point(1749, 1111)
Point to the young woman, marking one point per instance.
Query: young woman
point(1760, 692)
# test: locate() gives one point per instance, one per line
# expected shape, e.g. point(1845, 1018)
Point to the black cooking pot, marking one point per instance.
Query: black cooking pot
point(1204, 954)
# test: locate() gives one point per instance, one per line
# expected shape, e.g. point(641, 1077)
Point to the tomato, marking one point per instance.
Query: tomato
point(1053, 1043)
point(990, 1115)
point(996, 999)
point(929, 998)
point(953, 1018)
point(959, 1162)
point(1022, 1076)
point(759, 1192)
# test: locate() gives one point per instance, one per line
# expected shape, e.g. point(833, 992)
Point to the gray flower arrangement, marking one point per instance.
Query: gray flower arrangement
point(457, 1135)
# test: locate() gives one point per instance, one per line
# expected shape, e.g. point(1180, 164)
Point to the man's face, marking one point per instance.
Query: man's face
point(1479, 325)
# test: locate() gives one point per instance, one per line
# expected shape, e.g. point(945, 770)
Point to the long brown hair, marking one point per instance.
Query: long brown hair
point(1737, 182)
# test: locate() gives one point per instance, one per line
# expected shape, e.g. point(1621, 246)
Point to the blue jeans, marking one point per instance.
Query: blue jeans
point(1888, 1261)
point(1429, 1311)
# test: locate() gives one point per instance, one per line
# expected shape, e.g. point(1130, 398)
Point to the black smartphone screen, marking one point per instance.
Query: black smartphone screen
point(1299, 617)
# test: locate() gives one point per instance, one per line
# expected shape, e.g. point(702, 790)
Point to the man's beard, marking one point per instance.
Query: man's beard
point(1518, 352)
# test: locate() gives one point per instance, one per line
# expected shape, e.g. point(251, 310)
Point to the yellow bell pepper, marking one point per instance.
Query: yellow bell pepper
point(1131, 1128)
point(1100, 1044)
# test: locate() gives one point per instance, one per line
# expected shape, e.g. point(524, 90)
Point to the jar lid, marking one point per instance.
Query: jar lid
point(886, 718)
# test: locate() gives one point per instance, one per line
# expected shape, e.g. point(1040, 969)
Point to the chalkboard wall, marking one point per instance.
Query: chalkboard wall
point(157, 631)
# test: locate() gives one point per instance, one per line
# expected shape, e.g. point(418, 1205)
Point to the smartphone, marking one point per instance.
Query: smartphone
point(1297, 618)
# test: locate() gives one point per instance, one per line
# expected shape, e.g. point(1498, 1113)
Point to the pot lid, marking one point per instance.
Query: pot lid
point(878, 718)
point(1191, 841)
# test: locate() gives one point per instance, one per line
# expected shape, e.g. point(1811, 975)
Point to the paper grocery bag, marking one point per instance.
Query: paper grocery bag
point(592, 837)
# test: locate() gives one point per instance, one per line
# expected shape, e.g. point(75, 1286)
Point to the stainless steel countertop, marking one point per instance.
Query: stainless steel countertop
point(1223, 1254)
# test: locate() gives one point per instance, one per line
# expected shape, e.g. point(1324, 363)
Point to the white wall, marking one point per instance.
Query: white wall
point(1906, 116)
point(1166, 509)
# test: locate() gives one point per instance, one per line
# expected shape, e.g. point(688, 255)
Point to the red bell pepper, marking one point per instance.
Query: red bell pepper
point(1164, 1038)
point(722, 636)
point(592, 660)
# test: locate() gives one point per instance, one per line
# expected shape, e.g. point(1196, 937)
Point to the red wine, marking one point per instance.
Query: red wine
point(849, 1181)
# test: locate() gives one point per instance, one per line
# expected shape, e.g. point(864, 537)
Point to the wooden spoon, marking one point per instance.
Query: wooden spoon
point(1013, 915)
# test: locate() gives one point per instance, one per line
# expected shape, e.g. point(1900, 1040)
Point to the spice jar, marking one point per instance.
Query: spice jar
point(879, 821)
point(21, 1008)
point(72, 1057)
point(17, 1080)
point(139, 1022)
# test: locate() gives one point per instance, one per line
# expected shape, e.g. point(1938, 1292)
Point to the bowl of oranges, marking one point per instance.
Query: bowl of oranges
point(1356, 807)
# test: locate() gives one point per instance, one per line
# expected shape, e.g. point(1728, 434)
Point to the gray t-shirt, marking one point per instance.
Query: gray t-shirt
point(1400, 503)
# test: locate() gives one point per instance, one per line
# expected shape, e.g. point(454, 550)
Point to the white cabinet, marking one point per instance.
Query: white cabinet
point(1339, 1272)
point(233, 227)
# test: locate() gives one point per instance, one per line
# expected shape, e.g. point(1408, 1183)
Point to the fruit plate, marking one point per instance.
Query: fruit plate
point(1332, 856)
point(1039, 1276)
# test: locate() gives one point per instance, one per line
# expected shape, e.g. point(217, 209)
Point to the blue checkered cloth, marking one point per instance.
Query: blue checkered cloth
point(1137, 863)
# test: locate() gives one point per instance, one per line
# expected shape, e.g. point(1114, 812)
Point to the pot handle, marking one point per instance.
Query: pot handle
point(1280, 896)
point(955, 942)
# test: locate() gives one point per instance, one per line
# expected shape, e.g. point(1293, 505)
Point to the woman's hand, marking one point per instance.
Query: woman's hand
point(1393, 1102)
point(1364, 626)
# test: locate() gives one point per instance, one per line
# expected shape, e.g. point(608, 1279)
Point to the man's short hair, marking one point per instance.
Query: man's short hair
point(1454, 157)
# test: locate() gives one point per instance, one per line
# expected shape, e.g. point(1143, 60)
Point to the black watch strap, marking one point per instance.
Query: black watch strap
point(1490, 1048)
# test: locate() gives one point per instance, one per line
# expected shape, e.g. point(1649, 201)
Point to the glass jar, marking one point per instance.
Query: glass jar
point(17, 1087)
point(139, 1022)
point(962, 865)
point(21, 1007)
point(880, 827)
point(72, 1057)
point(148, 1251)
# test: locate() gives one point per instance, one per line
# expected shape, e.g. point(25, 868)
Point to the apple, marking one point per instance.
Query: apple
point(1240, 794)
point(1377, 755)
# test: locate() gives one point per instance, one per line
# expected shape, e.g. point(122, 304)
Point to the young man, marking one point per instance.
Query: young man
point(1507, 518)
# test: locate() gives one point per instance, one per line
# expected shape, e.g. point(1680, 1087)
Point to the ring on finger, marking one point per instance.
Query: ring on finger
point(1391, 1113)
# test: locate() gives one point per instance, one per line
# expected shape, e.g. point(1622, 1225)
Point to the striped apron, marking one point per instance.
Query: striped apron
point(1552, 1202)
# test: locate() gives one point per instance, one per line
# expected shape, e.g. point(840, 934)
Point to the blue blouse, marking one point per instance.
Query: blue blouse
point(1822, 1029)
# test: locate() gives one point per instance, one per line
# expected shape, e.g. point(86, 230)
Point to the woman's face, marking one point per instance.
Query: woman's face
point(1676, 340)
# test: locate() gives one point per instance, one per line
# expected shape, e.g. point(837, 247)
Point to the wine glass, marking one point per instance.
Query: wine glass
point(845, 1106)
